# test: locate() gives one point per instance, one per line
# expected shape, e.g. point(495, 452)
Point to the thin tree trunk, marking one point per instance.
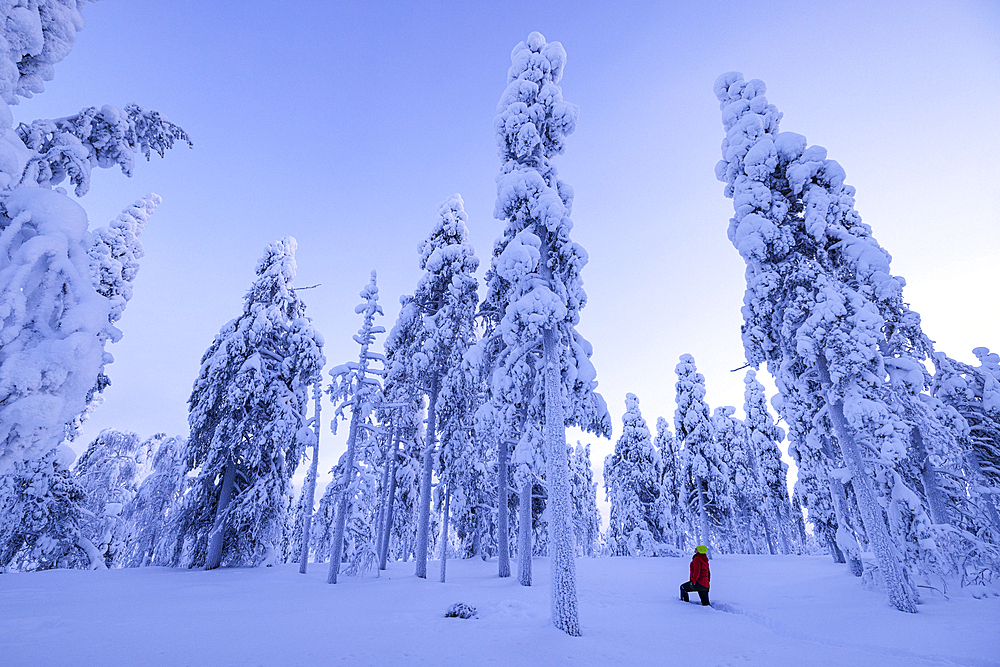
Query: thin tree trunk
point(424, 511)
point(444, 532)
point(309, 491)
point(751, 548)
point(503, 543)
point(477, 545)
point(385, 498)
point(561, 553)
point(768, 535)
point(894, 576)
point(214, 557)
point(337, 548)
point(387, 530)
point(935, 499)
point(524, 535)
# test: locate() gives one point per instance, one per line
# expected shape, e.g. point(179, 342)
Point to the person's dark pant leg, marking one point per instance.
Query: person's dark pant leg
point(688, 587)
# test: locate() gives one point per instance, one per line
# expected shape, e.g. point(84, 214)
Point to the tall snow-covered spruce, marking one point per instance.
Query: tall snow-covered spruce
point(59, 290)
point(535, 288)
point(823, 310)
point(247, 412)
point(354, 387)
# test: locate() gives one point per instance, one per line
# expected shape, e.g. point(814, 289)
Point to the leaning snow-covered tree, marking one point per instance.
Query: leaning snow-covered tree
point(822, 309)
point(57, 304)
point(535, 287)
point(149, 515)
point(109, 472)
point(247, 410)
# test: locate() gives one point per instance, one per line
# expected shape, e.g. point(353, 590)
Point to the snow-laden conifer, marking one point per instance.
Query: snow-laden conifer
point(109, 472)
point(763, 436)
point(822, 307)
point(440, 331)
point(149, 515)
point(247, 410)
point(535, 286)
point(705, 477)
point(742, 529)
point(354, 387)
point(974, 394)
point(583, 489)
point(41, 511)
point(55, 313)
point(676, 518)
point(632, 482)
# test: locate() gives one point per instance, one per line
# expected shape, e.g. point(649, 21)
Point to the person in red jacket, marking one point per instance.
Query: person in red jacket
point(700, 576)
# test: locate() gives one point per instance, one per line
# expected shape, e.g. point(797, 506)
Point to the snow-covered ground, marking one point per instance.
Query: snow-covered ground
point(767, 611)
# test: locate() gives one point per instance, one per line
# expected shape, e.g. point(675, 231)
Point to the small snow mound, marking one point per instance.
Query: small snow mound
point(460, 610)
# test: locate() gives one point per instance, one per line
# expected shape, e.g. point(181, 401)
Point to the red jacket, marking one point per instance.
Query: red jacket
point(699, 570)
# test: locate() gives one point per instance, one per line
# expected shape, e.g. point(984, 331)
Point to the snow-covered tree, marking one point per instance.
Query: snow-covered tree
point(247, 412)
point(974, 394)
point(535, 287)
point(822, 308)
point(632, 483)
point(354, 387)
point(705, 476)
point(41, 511)
point(445, 304)
point(583, 489)
point(763, 436)
point(743, 497)
point(55, 313)
point(675, 518)
point(149, 515)
point(109, 472)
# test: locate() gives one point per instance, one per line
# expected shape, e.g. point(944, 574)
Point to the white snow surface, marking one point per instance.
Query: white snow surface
point(767, 610)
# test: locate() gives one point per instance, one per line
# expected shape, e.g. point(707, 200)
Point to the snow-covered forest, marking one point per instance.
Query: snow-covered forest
point(451, 428)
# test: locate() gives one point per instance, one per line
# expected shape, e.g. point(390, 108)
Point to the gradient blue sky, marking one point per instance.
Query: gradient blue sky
point(345, 124)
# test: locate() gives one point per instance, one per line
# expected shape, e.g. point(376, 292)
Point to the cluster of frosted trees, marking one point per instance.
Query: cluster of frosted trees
point(63, 287)
point(456, 440)
point(897, 465)
point(719, 481)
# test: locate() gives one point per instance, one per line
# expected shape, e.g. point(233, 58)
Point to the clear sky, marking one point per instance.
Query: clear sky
point(345, 124)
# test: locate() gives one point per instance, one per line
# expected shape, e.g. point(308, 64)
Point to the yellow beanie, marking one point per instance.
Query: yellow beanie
point(702, 549)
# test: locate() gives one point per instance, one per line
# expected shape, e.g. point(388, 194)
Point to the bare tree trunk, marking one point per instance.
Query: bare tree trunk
point(391, 501)
point(424, 511)
point(894, 576)
point(524, 535)
point(309, 491)
point(214, 557)
point(561, 553)
point(444, 531)
point(768, 535)
point(503, 543)
point(385, 498)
